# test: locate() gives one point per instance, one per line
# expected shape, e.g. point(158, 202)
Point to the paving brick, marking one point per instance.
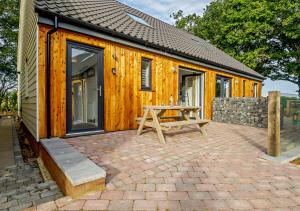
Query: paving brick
point(225, 187)
point(296, 199)
point(185, 187)
point(221, 195)
point(145, 187)
point(173, 180)
point(29, 209)
point(178, 196)
point(63, 201)
point(242, 194)
point(297, 208)
point(74, 205)
point(155, 180)
point(205, 187)
point(199, 195)
point(169, 205)
point(9, 204)
point(282, 193)
point(283, 202)
point(121, 205)
point(112, 195)
point(44, 200)
point(239, 204)
point(261, 203)
point(156, 195)
point(3, 200)
point(49, 206)
point(165, 187)
point(49, 193)
point(145, 205)
point(245, 187)
point(194, 180)
point(21, 206)
point(192, 205)
point(263, 186)
point(216, 204)
point(96, 205)
point(134, 195)
point(94, 195)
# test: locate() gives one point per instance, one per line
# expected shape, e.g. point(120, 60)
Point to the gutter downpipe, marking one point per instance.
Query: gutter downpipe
point(48, 81)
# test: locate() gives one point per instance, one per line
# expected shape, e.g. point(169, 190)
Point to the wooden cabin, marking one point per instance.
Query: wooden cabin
point(90, 66)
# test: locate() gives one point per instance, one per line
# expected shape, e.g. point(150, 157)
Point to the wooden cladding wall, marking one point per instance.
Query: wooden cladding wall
point(123, 98)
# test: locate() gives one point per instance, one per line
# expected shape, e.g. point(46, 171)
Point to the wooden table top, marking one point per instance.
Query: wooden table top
point(175, 107)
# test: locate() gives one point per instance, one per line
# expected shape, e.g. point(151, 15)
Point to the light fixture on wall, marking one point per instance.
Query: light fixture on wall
point(174, 69)
point(236, 81)
point(114, 56)
point(114, 70)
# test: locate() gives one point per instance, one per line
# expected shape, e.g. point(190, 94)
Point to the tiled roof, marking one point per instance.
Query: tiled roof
point(113, 16)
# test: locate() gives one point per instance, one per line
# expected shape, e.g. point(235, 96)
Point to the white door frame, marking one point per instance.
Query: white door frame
point(202, 87)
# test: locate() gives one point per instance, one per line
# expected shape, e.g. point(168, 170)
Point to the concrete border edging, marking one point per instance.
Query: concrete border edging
point(285, 157)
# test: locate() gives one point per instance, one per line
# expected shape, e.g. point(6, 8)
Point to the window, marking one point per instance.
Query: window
point(146, 74)
point(223, 87)
point(255, 90)
point(244, 88)
point(138, 19)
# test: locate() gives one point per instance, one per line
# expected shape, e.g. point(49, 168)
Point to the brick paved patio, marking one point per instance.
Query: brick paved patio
point(220, 172)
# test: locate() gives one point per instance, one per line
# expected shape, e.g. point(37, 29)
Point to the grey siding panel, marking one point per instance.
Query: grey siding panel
point(27, 65)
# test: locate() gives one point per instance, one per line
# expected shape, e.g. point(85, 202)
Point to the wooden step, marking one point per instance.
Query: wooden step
point(74, 173)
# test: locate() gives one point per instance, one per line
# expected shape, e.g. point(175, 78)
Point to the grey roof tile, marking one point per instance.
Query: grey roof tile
point(112, 15)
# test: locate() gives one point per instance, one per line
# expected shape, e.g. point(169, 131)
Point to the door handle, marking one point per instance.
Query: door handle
point(100, 91)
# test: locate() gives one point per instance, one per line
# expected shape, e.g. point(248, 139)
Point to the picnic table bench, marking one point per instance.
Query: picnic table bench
point(153, 115)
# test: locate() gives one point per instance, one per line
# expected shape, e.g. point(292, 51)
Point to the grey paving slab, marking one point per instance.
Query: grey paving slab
point(77, 168)
point(62, 151)
point(54, 144)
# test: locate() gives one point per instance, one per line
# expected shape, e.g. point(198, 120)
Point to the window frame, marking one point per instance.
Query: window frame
point(145, 88)
point(244, 88)
point(223, 78)
point(255, 90)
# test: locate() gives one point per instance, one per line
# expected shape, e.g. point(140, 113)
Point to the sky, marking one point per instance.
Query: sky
point(162, 9)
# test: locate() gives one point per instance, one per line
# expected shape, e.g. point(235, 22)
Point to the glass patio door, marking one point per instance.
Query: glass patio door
point(193, 91)
point(84, 88)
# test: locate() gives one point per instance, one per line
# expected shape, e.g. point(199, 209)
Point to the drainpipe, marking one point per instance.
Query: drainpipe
point(48, 81)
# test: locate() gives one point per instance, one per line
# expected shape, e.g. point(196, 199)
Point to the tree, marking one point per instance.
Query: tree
point(263, 34)
point(9, 102)
point(9, 23)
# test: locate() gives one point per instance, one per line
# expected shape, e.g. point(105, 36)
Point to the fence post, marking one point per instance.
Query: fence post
point(274, 123)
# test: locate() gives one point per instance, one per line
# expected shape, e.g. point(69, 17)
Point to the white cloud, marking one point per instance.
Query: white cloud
point(162, 9)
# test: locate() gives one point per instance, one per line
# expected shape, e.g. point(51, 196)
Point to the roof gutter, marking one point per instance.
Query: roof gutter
point(121, 35)
point(48, 80)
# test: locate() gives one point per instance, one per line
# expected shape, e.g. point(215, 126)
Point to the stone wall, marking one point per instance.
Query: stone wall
point(243, 111)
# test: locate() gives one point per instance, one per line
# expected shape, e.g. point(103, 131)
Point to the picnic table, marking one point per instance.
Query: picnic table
point(154, 114)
